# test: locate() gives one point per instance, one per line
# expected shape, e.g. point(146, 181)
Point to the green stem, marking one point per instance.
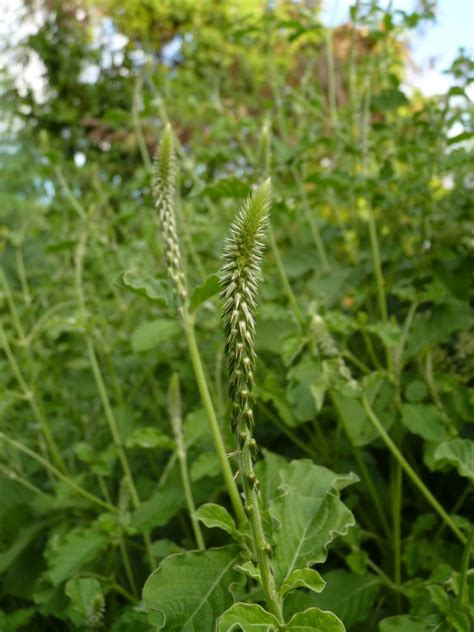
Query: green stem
point(102, 390)
point(366, 477)
point(377, 262)
point(331, 78)
point(176, 423)
point(262, 548)
point(396, 498)
point(77, 488)
point(212, 421)
point(31, 398)
point(142, 146)
point(463, 595)
point(284, 279)
point(410, 472)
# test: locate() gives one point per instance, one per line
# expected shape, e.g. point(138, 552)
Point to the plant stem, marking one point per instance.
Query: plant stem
point(102, 390)
point(284, 279)
point(331, 77)
point(174, 403)
point(29, 395)
point(262, 549)
point(366, 477)
point(463, 595)
point(212, 420)
point(377, 262)
point(396, 497)
point(410, 472)
point(77, 488)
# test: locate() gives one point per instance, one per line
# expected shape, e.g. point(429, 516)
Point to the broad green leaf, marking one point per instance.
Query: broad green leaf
point(156, 290)
point(17, 620)
point(150, 334)
point(313, 480)
point(69, 554)
point(23, 538)
point(189, 591)
point(230, 187)
point(408, 623)
point(205, 464)
point(309, 517)
point(437, 325)
point(355, 420)
point(389, 333)
point(149, 437)
point(315, 620)
point(303, 578)
point(159, 509)
point(247, 618)
point(86, 599)
point(212, 515)
point(209, 288)
point(458, 452)
point(424, 420)
point(350, 596)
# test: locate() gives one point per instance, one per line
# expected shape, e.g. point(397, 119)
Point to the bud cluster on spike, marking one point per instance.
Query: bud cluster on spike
point(240, 274)
point(164, 189)
point(328, 349)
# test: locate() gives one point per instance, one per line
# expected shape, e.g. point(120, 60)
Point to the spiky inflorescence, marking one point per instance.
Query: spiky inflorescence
point(164, 189)
point(240, 274)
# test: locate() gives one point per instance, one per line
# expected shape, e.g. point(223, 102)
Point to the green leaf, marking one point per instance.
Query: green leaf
point(310, 517)
point(209, 288)
point(359, 428)
point(303, 578)
point(150, 334)
point(408, 623)
point(149, 437)
point(315, 620)
point(424, 420)
point(230, 187)
point(159, 509)
point(23, 537)
point(189, 591)
point(86, 598)
point(350, 596)
point(212, 515)
point(17, 620)
point(156, 290)
point(437, 325)
point(458, 452)
point(204, 465)
point(66, 556)
point(247, 617)
point(389, 333)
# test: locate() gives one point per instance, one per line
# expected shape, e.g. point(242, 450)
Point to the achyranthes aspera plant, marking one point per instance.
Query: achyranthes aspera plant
point(292, 509)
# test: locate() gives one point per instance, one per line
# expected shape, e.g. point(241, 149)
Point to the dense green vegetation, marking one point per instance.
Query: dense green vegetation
point(346, 417)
